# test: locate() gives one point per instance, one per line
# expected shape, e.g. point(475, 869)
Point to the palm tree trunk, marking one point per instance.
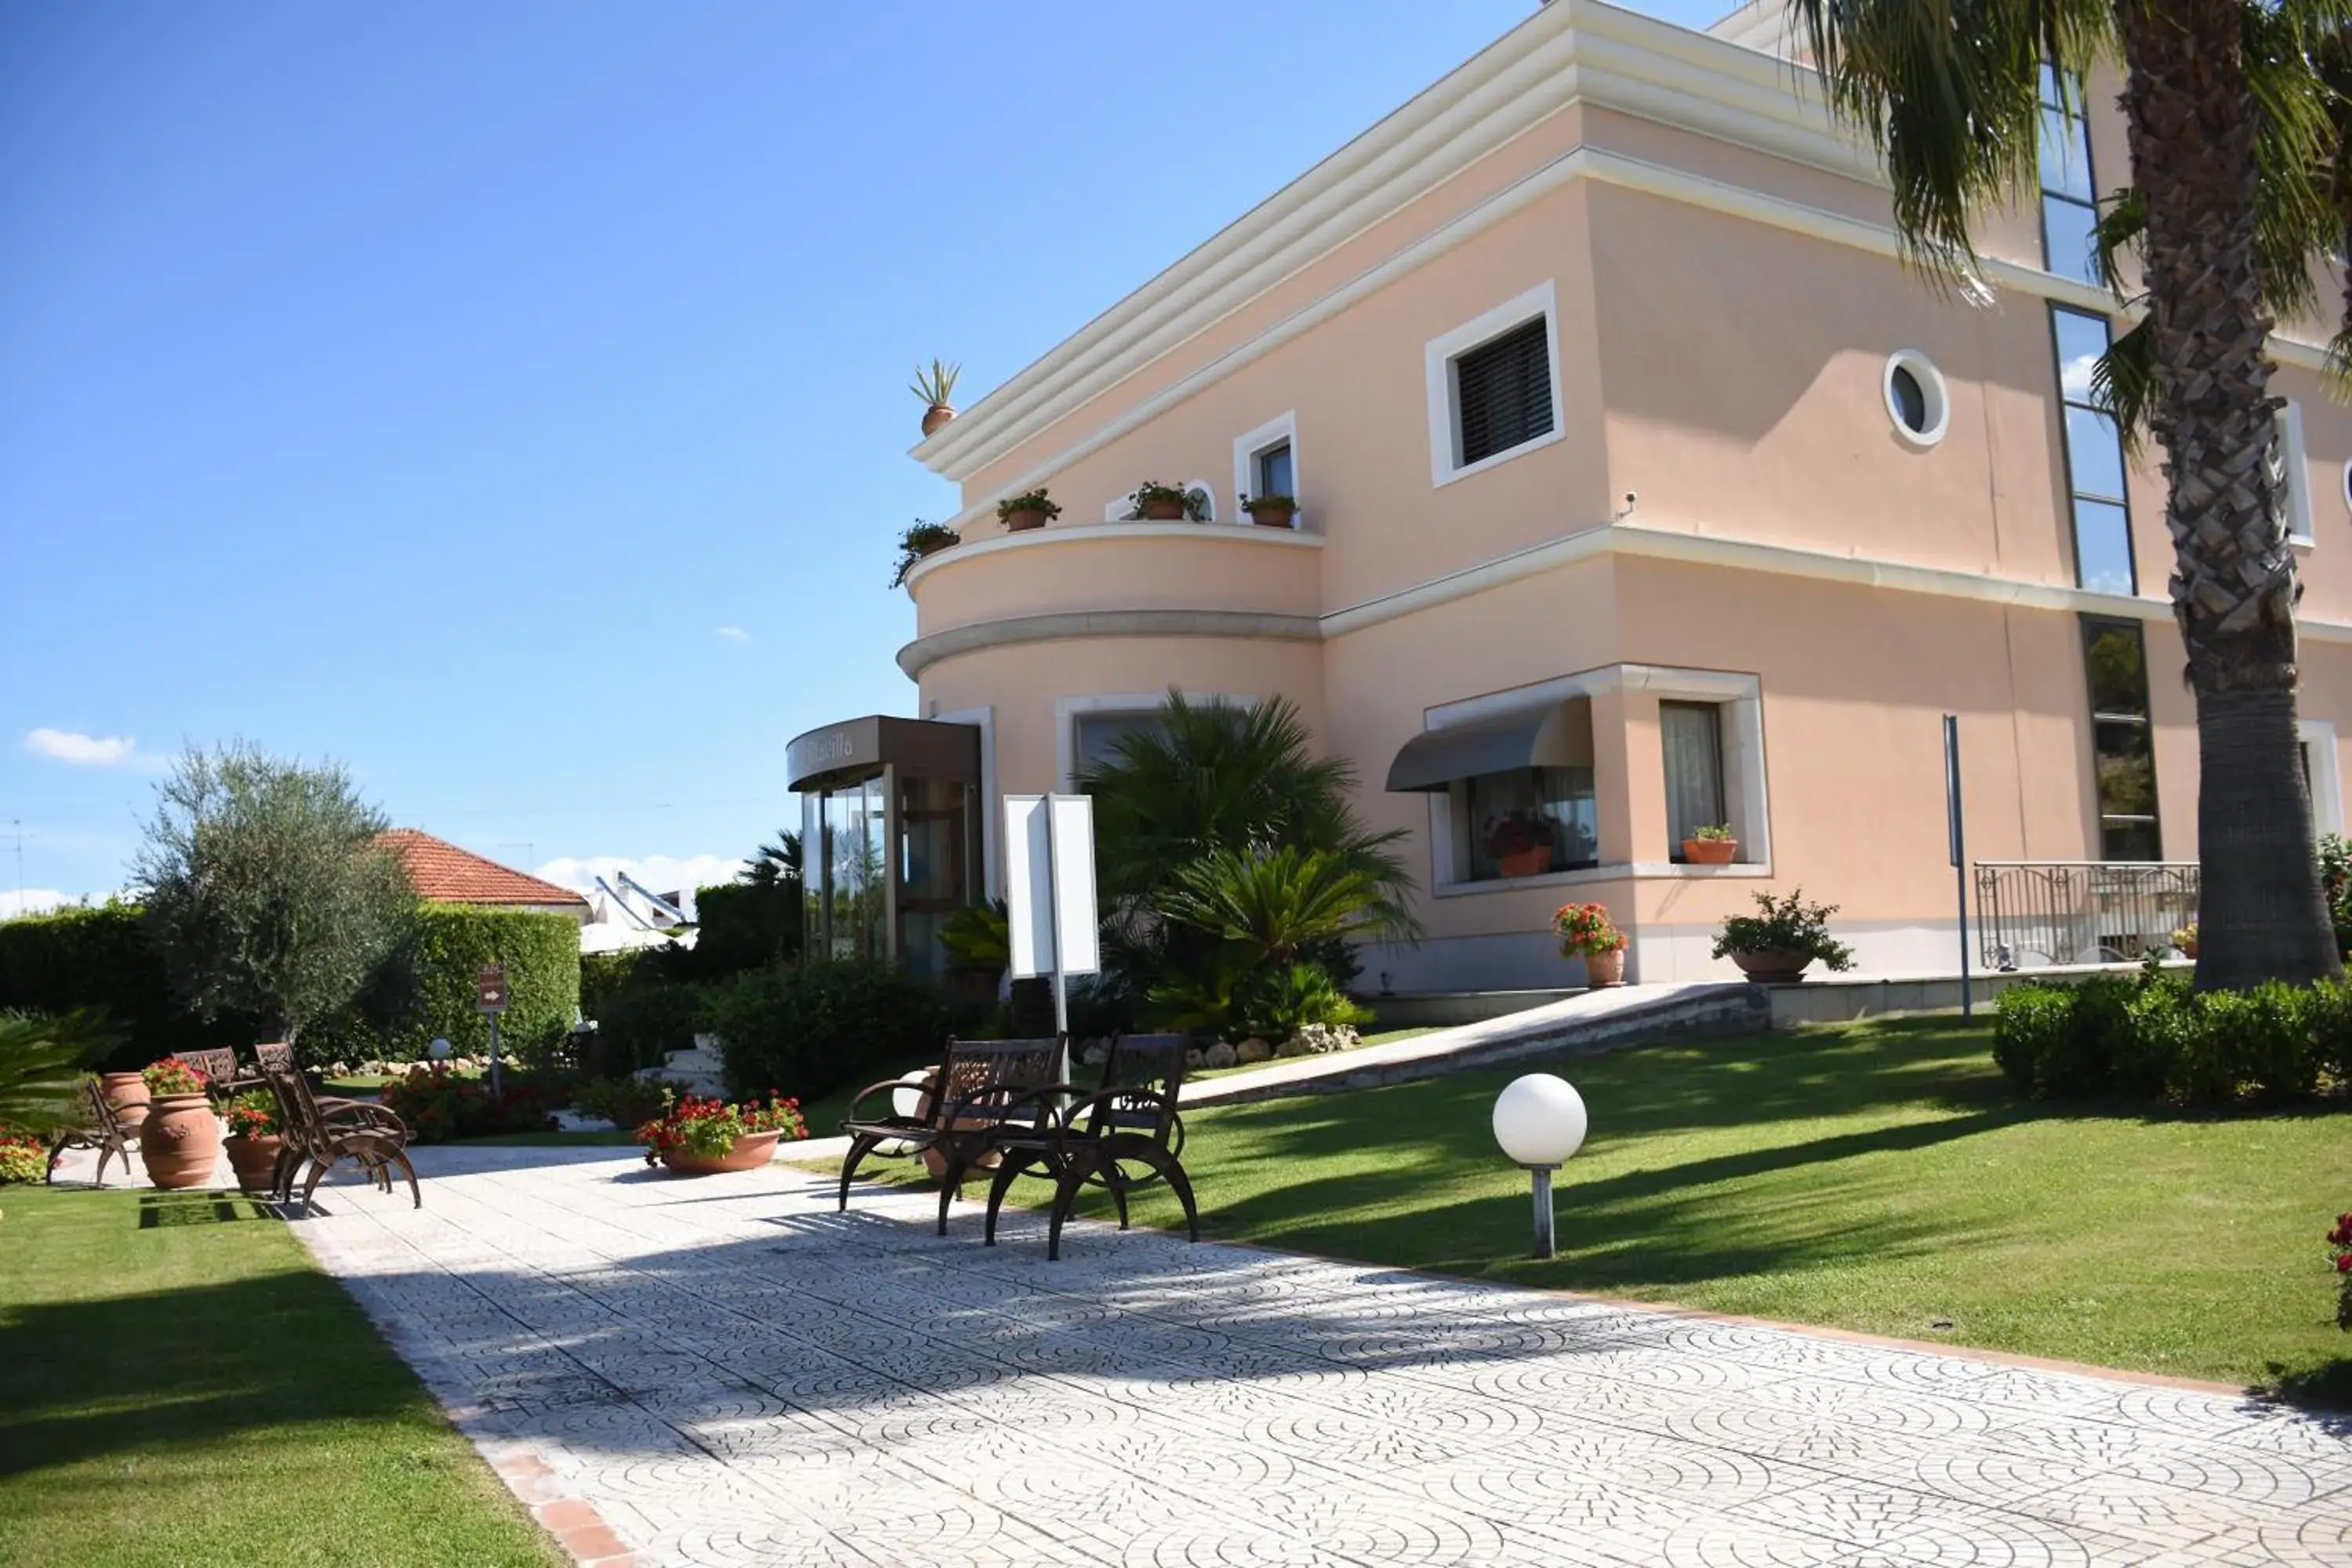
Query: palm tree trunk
point(2192, 122)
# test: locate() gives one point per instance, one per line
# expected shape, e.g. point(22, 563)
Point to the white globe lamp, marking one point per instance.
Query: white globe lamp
point(1539, 1122)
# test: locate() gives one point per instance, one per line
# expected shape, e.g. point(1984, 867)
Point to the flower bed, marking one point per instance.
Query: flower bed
point(439, 1105)
point(22, 1157)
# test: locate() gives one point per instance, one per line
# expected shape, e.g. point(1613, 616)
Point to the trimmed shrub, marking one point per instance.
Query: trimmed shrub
point(2153, 1036)
point(637, 1027)
point(2328, 1012)
point(743, 926)
point(808, 1031)
point(103, 958)
point(2207, 1072)
point(2163, 1017)
point(427, 990)
point(2276, 1052)
point(2031, 1021)
point(629, 1103)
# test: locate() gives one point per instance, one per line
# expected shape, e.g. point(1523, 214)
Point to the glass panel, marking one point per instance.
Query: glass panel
point(2066, 154)
point(1567, 797)
point(1098, 735)
point(2050, 93)
point(1910, 403)
point(853, 894)
point(873, 901)
point(2080, 340)
point(2066, 245)
point(2103, 559)
point(2126, 767)
point(1273, 471)
point(814, 857)
point(1530, 821)
point(2129, 841)
point(2094, 453)
point(1690, 735)
point(2116, 663)
point(934, 871)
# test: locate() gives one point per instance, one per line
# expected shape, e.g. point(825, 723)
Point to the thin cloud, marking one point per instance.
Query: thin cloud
point(732, 634)
point(81, 751)
point(30, 902)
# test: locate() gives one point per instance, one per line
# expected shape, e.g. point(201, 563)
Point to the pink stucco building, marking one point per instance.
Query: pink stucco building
point(1641, 489)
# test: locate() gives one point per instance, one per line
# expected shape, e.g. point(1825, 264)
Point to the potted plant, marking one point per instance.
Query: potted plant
point(923, 539)
point(1029, 509)
point(1270, 511)
point(1776, 946)
point(978, 939)
point(933, 388)
point(180, 1142)
point(1587, 932)
point(703, 1137)
point(1155, 503)
point(1520, 842)
point(254, 1139)
point(2184, 941)
point(126, 1094)
point(1714, 846)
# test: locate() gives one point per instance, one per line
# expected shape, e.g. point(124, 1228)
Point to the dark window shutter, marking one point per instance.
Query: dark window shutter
point(1503, 392)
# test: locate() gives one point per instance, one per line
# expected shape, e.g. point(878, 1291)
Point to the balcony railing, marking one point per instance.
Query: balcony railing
point(2034, 913)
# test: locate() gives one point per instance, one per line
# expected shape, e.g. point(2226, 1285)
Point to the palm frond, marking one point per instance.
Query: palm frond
point(42, 1059)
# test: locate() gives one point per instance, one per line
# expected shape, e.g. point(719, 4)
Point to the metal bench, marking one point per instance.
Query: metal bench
point(325, 1134)
point(965, 1101)
point(1131, 1120)
point(102, 1130)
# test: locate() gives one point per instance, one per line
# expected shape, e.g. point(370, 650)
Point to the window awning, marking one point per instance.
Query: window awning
point(1556, 736)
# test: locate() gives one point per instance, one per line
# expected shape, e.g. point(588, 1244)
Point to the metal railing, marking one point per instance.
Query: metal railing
point(2034, 913)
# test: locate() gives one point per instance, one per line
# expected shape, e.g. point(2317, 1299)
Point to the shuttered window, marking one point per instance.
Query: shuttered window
point(1502, 394)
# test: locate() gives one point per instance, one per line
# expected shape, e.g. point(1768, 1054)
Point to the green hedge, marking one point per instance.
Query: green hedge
point(102, 957)
point(807, 1031)
point(541, 952)
point(2153, 1036)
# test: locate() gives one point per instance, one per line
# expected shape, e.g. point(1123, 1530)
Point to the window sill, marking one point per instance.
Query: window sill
point(2303, 541)
point(1622, 871)
point(1445, 476)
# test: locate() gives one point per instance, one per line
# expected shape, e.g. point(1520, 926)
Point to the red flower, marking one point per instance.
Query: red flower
point(2343, 1263)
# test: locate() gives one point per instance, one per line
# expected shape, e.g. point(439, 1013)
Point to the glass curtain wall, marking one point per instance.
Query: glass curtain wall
point(936, 877)
point(843, 844)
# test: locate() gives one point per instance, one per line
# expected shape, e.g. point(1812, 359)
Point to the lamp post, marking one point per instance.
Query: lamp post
point(1539, 1122)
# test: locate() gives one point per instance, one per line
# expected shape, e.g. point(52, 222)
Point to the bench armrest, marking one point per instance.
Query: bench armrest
point(872, 1089)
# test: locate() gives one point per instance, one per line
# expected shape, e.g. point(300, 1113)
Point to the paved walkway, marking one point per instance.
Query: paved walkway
point(731, 1373)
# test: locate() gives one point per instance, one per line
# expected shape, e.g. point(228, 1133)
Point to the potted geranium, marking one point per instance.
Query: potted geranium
point(1270, 511)
point(1586, 931)
point(923, 539)
point(1520, 842)
point(1029, 509)
point(703, 1137)
point(255, 1139)
point(180, 1142)
point(1155, 503)
point(1776, 946)
point(2339, 1241)
point(932, 388)
point(1711, 845)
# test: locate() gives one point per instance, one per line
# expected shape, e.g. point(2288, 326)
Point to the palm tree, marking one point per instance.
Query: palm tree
point(41, 1063)
point(2237, 133)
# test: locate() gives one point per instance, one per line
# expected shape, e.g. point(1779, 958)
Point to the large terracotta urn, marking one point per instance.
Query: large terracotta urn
point(751, 1150)
point(1603, 970)
point(126, 1092)
point(181, 1141)
point(255, 1161)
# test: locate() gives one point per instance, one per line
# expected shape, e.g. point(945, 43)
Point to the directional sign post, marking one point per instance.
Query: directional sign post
point(1049, 896)
point(490, 997)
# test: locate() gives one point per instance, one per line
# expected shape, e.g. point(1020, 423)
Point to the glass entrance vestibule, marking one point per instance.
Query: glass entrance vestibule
point(890, 841)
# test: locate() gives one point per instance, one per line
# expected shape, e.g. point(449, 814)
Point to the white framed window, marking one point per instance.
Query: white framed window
point(1087, 729)
point(1494, 386)
point(2322, 774)
point(2296, 461)
point(1266, 461)
point(1916, 398)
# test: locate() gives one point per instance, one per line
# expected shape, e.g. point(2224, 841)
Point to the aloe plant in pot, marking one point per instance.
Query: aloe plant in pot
point(935, 388)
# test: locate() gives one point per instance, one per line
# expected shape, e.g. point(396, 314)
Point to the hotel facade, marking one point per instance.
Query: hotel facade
point(1641, 489)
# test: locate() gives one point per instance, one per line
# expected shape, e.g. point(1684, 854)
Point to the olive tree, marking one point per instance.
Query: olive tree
point(265, 886)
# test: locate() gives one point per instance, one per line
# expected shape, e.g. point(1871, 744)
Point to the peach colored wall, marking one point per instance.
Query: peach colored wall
point(1045, 573)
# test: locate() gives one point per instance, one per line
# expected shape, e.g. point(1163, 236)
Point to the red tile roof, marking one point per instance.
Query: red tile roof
point(446, 874)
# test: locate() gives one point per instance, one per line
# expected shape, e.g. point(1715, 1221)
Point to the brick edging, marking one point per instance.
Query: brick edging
point(573, 1521)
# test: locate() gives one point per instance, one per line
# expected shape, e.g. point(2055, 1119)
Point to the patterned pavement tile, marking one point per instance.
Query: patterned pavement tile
point(733, 1374)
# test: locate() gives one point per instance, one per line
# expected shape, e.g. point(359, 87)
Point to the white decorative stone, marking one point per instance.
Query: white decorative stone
point(1253, 1050)
point(1192, 1058)
point(1220, 1055)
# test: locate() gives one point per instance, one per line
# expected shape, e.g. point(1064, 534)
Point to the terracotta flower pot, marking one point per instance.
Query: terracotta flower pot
point(1710, 851)
point(1773, 967)
point(1605, 969)
point(1025, 520)
point(1163, 512)
point(180, 1143)
point(751, 1150)
point(127, 1093)
point(255, 1161)
point(1274, 516)
point(1532, 862)
point(937, 415)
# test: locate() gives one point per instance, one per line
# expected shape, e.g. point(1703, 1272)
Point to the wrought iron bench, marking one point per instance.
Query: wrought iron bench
point(1131, 1120)
point(101, 1131)
point(324, 1136)
point(977, 1083)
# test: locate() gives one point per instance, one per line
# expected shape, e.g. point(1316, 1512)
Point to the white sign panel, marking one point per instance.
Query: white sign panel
point(1049, 884)
point(1072, 835)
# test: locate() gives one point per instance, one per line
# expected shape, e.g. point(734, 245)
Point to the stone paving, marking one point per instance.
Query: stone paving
point(728, 1372)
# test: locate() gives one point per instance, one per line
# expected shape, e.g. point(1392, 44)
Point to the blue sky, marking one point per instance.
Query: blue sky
point(508, 401)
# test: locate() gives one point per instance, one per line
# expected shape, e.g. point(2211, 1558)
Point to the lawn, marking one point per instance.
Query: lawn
point(1877, 1177)
point(182, 1386)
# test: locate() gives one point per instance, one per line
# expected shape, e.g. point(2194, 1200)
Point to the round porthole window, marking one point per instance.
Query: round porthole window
point(2347, 484)
point(1915, 398)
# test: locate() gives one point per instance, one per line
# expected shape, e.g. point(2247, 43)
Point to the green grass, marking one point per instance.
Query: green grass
point(1875, 1177)
point(182, 1386)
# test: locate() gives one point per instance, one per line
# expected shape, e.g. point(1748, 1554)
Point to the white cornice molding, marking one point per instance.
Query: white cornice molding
point(1567, 52)
point(1013, 630)
point(1052, 534)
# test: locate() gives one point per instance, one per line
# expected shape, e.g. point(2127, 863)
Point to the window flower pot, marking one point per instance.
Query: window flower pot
point(1710, 851)
point(1025, 520)
point(1158, 511)
point(1603, 970)
point(1273, 516)
point(1771, 966)
point(181, 1141)
point(255, 1161)
point(751, 1150)
point(127, 1093)
point(1532, 862)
